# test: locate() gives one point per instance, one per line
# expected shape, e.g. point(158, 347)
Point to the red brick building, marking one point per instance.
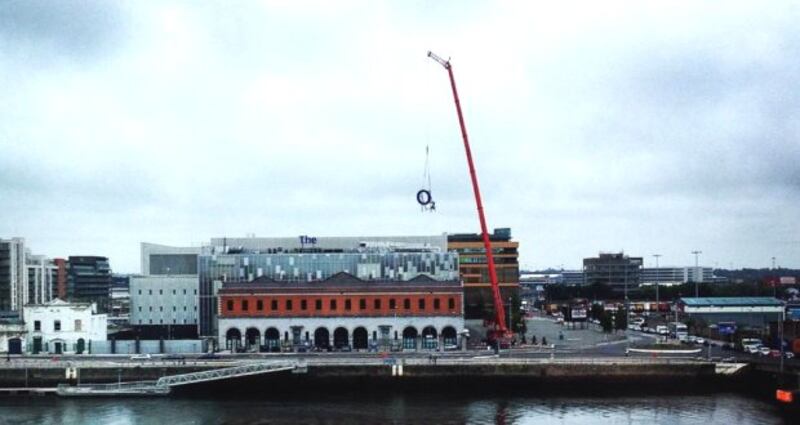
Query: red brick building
point(264, 314)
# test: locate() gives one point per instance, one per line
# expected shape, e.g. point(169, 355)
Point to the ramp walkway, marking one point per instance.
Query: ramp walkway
point(164, 384)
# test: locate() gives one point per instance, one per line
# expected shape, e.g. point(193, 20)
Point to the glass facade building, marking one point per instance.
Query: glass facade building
point(214, 269)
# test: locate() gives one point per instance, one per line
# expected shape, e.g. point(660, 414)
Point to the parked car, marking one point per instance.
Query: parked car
point(764, 351)
point(208, 356)
point(141, 357)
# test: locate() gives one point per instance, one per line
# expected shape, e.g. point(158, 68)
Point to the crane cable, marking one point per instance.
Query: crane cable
point(424, 197)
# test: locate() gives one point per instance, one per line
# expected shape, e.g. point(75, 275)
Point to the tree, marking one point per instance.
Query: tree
point(606, 323)
point(621, 319)
point(597, 311)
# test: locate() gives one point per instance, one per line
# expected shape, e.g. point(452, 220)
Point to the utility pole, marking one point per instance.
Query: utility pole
point(696, 279)
point(658, 283)
point(774, 283)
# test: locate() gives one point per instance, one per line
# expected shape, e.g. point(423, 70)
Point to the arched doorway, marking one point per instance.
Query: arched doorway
point(360, 337)
point(449, 337)
point(57, 346)
point(233, 339)
point(429, 340)
point(341, 338)
point(410, 338)
point(322, 338)
point(80, 346)
point(252, 338)
point(272, 339)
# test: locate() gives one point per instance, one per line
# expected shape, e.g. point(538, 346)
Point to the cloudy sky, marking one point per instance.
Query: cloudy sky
point(649, 127)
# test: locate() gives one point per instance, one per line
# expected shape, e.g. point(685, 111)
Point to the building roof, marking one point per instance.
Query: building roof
point(731, 301)
point(340, 282)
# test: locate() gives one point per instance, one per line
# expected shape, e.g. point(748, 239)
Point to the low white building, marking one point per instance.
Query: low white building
point(60, 327)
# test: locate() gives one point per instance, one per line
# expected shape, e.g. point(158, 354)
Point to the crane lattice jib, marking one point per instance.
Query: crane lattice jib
point(500, 314)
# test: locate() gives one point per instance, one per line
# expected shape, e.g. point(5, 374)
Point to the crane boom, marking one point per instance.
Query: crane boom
point(499, 309)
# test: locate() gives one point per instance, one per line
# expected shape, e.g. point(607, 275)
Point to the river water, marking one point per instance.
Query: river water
point(723, 409)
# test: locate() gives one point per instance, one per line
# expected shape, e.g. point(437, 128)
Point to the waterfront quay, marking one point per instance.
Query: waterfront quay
point(384, 370)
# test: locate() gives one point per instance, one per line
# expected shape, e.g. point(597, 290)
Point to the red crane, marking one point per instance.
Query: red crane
point(501, 331)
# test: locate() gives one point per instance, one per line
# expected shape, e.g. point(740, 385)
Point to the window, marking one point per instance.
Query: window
point(407, 304)
point(303, 304)
point(174, 292)
point(57, 325)
point(140, 309)
point(161, 308)
point(184, 292)
point(348, 305)
point(140, 292)
point(230, 305)
point(184, 308)
point(259, 305)
point(421, 303)
point(149, 292)
point(273, 305)
point(436, 304)
point(174, 321)
point(78, 325)
point(392, 304)
point(195, 291)
point(174, 308)
point(245, 305)
point(318, 304)
point(362, 304)
point(333, 304)
point(151, 321)
point(376, 304)
point(160, 321)
point(451, 303)
point(151, 308)
point(37, 325)
point(160, 292)
point(288, 304)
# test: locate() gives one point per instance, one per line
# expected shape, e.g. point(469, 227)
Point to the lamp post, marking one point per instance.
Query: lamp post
point(696, 281)
point(658, 283)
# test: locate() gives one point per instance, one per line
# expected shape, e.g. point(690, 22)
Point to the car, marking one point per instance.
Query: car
point(450, 347)
point(788, 355)
point(209, 356)
point(701, 341)
point(144, 356)
point(764, 351)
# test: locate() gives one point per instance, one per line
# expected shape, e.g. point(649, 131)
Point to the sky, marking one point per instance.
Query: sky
point(649, 127)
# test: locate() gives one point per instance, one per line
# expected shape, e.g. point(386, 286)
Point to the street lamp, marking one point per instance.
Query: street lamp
point(658, 283)
point(696, 280)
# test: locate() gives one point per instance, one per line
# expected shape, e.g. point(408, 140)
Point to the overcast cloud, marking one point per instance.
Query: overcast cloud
point(653, 127)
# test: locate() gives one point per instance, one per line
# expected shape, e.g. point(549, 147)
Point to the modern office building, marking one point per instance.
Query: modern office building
point(164, 307)
point(616, 270)
point(341, 311)
point(474, 271)
point(168, 260)
point(89, 281)
point(377, 259)
point(668, 276)
point(13, 274)
point(42, 279)
point(119, 313)
point(61, 278)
